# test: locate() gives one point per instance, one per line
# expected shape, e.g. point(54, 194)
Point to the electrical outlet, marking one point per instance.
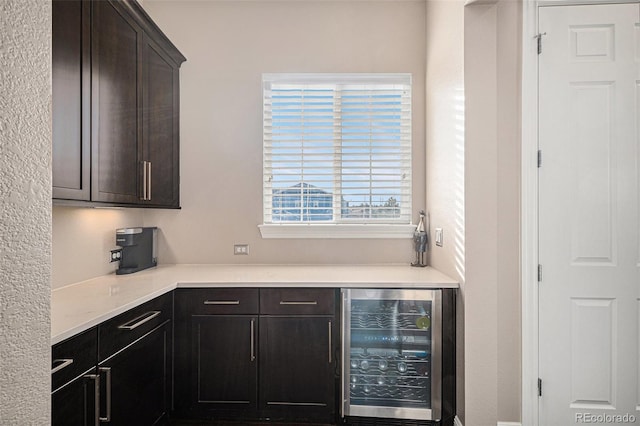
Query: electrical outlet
point(439, 237)
point(242, 249)
point(116, 255)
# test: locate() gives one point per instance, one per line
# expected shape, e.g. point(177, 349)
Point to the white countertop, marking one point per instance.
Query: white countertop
point(80, 306)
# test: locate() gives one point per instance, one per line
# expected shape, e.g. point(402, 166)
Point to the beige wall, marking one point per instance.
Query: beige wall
point(25, 212)
point(445, 151)
point(228, 45)
point(221, 135)
point(82, 239)
point(492, 194)
point(509, 50)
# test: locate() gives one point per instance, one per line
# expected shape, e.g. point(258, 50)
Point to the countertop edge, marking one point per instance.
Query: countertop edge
point(172, 283)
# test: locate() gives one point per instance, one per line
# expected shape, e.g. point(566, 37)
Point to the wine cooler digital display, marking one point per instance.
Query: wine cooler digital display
point(391, 353)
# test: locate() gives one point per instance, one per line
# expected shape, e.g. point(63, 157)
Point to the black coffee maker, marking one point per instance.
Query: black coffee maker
point(139, 249)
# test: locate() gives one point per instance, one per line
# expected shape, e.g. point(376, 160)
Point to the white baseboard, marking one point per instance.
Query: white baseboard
point(456, 421)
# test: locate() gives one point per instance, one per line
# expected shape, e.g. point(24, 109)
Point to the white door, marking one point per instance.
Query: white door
point(589, 298)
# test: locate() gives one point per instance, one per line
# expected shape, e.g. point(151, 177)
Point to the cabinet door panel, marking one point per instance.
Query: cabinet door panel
point(160, 118)
point(70, 102)
point(140, 380)
point(75, 404)
point(296, 369)
point(224, 362)
point(116, 98)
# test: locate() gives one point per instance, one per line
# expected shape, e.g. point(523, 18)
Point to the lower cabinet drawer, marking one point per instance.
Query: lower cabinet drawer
point(72, 357)
point(126, 328)
point(218, 301)
point(297, 301)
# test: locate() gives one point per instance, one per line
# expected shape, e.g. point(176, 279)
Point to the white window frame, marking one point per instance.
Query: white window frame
point(365, 229)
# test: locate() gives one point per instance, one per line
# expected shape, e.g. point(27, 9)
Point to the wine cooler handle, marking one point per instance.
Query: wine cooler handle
point(107, 370)
point(330, 345)
point(253, 353)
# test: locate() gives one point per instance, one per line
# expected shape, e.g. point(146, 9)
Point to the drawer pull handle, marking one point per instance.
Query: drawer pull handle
point(221, 302)
point(63, 364)
point(137, 322)
point(285, 302)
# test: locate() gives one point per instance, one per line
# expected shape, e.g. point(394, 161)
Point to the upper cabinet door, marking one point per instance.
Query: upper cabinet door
point(71, 73)
point(160, 116)
point(116, 105)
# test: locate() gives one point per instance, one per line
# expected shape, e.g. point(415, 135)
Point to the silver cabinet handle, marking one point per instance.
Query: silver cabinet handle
point(149, 181)
point(63, 364)
point(96, 396)
point(221, 302)
point(253, 352)
point(143, 192)
point(139, 320)
point(293, 302)
point(107, 371)
point(330, 349)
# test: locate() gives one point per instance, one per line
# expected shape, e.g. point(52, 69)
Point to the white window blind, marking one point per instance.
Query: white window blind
point(337, 148)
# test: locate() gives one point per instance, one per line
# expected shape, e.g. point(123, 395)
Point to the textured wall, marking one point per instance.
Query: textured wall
point(25, 217)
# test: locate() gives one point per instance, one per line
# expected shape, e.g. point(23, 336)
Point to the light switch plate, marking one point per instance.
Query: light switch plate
point(439, 237)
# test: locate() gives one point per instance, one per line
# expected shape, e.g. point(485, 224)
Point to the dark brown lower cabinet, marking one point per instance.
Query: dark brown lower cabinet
point(297, 362)
point(135, 382)
point(75, 404)
point(224, 364)
point(118, 373)
point(247, 353)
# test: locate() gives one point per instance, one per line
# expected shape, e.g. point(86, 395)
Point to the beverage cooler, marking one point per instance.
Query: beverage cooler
point(392, 354)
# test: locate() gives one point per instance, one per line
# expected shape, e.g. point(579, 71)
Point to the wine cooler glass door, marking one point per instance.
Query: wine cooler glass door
point(391, 353)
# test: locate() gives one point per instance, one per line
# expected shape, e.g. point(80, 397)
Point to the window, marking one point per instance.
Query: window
point(337, 155)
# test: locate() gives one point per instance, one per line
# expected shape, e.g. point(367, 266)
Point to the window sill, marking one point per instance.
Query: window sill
point(332, 230)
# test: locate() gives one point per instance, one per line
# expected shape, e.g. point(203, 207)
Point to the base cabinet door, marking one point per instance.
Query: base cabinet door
point(224, 365)
point(297, 368)
point(135, 382)
point(75, 404)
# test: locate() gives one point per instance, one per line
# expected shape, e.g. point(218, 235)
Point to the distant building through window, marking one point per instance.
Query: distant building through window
point(301, 202)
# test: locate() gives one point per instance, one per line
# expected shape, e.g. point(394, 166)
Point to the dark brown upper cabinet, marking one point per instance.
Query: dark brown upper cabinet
point(130, 108)
point(160, 127)
point(71, 85)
